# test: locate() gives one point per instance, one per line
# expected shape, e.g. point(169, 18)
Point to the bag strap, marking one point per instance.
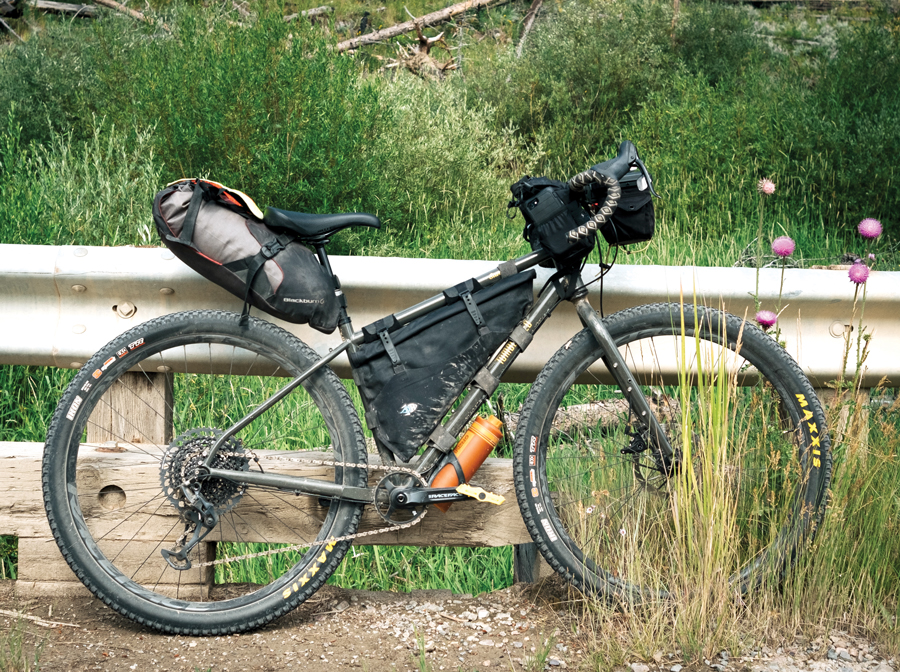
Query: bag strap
point(391, 351)
point(475, 314)
point(464, 291)
point(265, 253)
point(190, 220)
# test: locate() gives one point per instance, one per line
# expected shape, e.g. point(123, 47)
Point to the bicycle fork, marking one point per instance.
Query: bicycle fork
point(616, 365)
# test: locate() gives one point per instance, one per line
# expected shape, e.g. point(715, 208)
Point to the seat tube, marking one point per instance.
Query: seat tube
point(624, 377)
point(345, 325)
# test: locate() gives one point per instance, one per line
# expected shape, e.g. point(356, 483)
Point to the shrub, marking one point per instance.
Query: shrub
point(69, 193)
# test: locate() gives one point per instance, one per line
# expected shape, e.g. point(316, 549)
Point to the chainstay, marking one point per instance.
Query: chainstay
point(332, 540)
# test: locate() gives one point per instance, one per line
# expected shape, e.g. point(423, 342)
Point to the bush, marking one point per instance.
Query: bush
point(267, 108)
point(96, 192)
point(446, 175)
point(51, 82)
point(585, 67)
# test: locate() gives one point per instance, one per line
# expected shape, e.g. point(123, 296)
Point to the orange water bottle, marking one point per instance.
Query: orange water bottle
point(471, 451)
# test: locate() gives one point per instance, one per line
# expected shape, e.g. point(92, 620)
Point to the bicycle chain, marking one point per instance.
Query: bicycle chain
point(333, 540)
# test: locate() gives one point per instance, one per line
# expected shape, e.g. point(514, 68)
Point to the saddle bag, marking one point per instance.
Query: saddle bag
point(219, 233)
point(410, 376)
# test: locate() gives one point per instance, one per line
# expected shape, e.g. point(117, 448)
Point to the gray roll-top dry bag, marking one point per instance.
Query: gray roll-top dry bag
point(219, 233)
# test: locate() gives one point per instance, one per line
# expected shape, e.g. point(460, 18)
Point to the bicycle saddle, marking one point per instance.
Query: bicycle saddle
point(316, 228)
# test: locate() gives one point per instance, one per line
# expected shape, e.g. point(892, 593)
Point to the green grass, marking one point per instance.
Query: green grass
point(96, 116)
point(16, 655)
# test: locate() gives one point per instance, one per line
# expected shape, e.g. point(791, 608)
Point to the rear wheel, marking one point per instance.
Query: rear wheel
point(134, 427)
point(748, 479)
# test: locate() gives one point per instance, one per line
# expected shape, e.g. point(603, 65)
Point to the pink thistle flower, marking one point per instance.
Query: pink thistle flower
point(871, 257)
point(869, 228)
point(783, 246)
point(859, 273)
point(766, 319)
point(765, 186)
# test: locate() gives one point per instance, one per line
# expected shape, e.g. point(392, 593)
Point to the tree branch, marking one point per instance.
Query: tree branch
point(529, 22)
point(427, 20)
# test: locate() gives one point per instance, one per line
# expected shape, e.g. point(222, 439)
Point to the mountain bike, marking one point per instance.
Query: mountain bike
point(251, 496)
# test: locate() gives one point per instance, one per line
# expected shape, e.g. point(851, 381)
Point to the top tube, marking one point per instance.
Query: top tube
point(407, 315)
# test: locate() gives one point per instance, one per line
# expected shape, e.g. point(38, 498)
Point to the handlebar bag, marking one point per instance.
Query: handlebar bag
point(219, 233)
point(634, 220)
point(409, 376)
point(550, 213)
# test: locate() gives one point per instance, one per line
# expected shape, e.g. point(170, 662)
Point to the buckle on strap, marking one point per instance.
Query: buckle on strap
point(271, 248)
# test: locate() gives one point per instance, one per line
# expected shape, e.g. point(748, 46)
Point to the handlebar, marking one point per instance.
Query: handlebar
point(608, 174)
point(620, 165)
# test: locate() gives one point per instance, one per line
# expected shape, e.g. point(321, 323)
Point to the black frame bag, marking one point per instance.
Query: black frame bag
point(219, 233)
point(410, 376)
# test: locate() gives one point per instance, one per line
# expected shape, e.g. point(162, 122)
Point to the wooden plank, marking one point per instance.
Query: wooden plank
point(137, 409)
point(102, 473)
point(112, 483)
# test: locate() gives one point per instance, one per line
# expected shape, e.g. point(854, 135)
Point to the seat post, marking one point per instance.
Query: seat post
point(344, 323)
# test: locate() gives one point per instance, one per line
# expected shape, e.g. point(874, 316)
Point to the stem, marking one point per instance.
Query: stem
point(778, 305)
point(847, 337)
point(762, 202)
point(859, 334)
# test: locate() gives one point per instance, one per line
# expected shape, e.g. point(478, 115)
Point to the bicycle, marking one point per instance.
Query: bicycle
point(595, 489)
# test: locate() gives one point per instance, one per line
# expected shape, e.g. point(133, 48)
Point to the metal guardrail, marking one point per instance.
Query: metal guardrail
point(61, 304)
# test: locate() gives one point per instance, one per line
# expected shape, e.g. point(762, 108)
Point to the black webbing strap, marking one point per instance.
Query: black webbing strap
point(476, 315)
point(371, 331)
point(391, 351)
point(265, 253)
point(507, 269)
point(443, 440)
point(190, 219)
point(521, 337)
point(487, 381)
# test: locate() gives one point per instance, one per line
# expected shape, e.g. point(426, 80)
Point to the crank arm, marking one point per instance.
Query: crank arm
point(421, 496)
point(300, 485)
point(461, 493)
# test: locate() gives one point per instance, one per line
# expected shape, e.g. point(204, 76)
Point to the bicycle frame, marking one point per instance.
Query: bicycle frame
point(434, 454)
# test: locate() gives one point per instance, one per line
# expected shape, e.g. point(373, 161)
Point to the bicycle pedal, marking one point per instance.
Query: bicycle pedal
point(480, 494)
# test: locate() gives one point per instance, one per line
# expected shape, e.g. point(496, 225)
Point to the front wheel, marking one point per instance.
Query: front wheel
point(744, 489)
point(123, 462)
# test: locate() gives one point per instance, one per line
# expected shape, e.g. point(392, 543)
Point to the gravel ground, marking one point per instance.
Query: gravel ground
point(338, 629)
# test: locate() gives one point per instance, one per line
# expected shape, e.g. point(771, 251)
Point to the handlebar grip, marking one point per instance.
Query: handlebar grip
point(620, 165)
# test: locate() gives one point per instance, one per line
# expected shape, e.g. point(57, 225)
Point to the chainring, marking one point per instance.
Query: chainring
point(180, 466)
point(384, 504)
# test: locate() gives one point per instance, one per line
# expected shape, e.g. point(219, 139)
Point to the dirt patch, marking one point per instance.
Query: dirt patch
point(335, 629)
point(525, 627)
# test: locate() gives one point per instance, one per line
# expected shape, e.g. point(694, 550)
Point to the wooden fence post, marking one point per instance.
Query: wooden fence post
point(138, 409)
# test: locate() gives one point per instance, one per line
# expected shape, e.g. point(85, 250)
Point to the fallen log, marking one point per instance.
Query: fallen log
point(424, 21)
point(310, 13)
point(527, 24)
point(14, 33)
point(87, 11)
